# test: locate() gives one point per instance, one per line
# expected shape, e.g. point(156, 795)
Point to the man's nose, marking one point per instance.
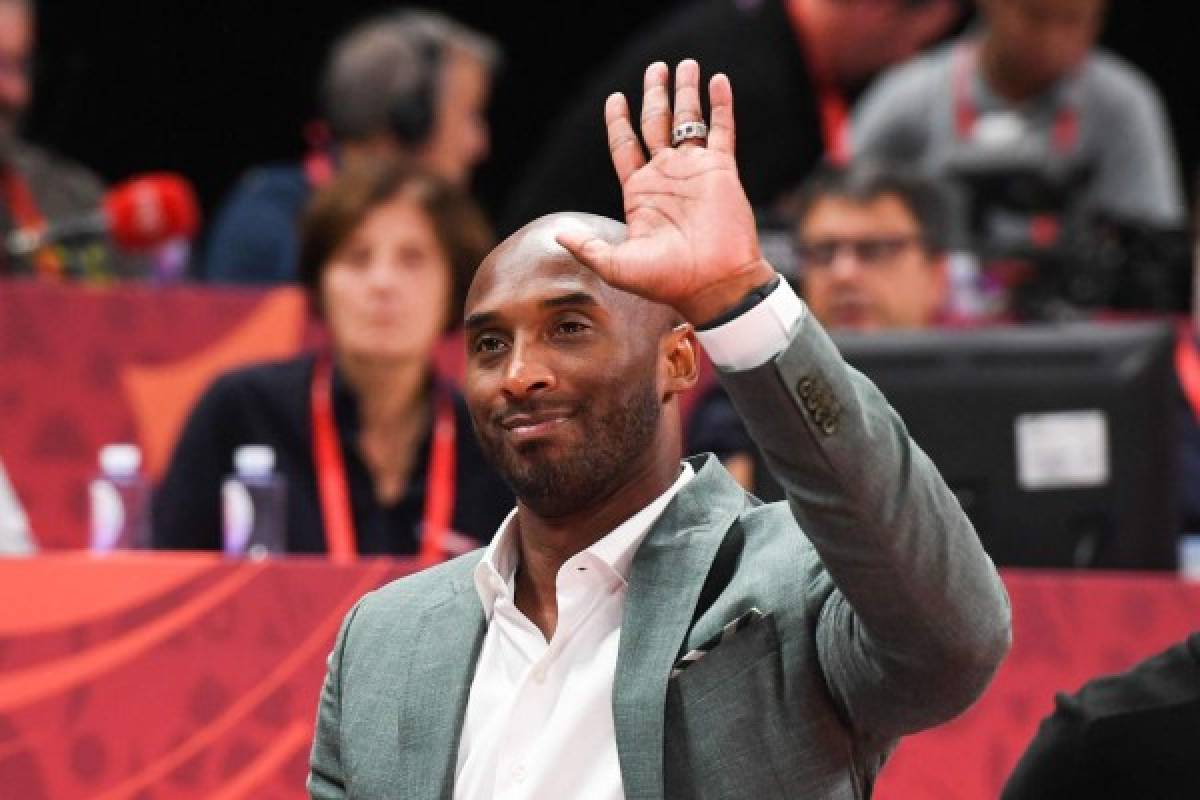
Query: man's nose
point(527, 372)
point(845, 265)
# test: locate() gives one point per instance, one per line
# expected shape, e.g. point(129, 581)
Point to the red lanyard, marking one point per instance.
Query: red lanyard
point(835, 124)
point(1187, 367)
point(831, 103)
point(27, 216)
point(332, 487)
point(966, 62)
point(318, 162)
point(318, 168)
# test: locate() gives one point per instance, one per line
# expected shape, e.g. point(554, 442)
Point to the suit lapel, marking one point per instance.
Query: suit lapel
point(432, 710)
point(664, 585)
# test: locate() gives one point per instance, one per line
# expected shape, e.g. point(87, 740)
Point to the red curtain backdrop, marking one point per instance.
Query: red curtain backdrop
point(85, 367)
point(161, 676)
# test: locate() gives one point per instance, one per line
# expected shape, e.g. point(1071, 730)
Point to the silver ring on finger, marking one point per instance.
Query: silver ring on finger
point(685, 131)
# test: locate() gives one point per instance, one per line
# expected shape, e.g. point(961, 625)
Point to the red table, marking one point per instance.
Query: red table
point(154, 676)
point(190, 676)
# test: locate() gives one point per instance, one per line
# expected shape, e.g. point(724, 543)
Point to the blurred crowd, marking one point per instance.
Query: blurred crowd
point(904, 177)
point(1061, 184)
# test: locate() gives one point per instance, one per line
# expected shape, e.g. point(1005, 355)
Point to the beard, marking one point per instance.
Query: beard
point(555, 484)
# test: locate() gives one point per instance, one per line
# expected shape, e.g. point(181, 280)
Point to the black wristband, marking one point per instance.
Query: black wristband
point(752, 298)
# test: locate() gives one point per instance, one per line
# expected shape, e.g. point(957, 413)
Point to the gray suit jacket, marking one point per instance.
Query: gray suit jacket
point(881, 616)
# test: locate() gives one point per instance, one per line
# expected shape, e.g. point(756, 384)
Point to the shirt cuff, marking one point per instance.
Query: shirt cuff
point(757, 336)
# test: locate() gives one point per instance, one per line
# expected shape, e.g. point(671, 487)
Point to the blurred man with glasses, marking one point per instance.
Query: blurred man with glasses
point(870, 242)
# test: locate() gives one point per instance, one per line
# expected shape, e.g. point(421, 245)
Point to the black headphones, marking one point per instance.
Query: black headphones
point(412, 117)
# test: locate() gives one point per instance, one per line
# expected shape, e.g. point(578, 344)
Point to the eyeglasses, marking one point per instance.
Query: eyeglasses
point(869, 251)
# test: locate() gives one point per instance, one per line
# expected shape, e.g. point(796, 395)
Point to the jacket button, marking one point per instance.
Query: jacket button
point(829, 427)
point(804, 388)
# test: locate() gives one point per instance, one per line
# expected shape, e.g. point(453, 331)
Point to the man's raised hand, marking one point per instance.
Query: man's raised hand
point(692, 241)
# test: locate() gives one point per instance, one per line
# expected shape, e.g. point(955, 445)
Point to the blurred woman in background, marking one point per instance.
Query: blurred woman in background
point(377, 452)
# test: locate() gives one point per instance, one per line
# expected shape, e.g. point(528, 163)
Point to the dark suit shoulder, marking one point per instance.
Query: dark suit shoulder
point(1167, 679)
point(1122, 735)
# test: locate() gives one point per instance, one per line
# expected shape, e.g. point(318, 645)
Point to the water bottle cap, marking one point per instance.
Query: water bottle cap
point(120, 460)
point(254, 460)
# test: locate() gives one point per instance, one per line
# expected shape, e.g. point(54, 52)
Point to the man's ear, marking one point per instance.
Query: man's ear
point(679, 350)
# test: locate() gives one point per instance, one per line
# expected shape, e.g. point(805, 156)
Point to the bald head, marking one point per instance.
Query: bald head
point(533, 251)
point(536, 239)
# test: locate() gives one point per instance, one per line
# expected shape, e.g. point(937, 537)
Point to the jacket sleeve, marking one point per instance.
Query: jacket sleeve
point(919, 620)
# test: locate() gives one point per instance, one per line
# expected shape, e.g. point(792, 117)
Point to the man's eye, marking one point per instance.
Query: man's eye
point(489, 344)
point(570, 326)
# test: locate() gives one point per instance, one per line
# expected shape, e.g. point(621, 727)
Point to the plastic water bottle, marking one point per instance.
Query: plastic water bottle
point(253, 504)
point(120, 501)
point(1189, 556)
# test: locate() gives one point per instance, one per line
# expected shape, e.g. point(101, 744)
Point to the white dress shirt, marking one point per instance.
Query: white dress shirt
point(539, 723)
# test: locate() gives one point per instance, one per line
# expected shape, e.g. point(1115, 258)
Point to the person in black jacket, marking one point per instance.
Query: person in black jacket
point(1128, 735)
point(795, 63)
point(378, 454)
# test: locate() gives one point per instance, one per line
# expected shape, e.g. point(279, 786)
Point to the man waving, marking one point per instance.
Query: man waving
point(640, 627)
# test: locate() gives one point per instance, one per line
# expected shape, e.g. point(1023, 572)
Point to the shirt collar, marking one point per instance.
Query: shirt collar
point(494, 573)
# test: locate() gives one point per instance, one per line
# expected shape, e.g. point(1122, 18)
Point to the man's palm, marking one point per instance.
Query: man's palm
point(691, 237)
point(687, 217)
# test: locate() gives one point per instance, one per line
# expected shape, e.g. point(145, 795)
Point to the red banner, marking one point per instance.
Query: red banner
point(195, 677)
point(85, 367)
point(188, 676)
